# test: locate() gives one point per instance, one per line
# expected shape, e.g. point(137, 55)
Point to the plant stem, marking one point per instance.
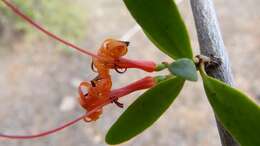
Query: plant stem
point(211, 44)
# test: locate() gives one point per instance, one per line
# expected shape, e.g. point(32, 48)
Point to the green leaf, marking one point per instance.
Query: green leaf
point(162, 23)
point(184, 68)
point(238, 114)
point(144, 111)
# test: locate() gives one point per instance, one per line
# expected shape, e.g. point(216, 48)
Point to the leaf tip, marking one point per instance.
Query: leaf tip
point(112, 139)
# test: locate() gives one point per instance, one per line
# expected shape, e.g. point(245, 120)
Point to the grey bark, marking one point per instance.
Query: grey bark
point(211, 43)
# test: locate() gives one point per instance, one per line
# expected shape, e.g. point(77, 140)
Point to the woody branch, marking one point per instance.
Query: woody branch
point(211, 44)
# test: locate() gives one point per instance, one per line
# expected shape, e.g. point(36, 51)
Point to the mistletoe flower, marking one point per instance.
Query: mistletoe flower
point(148, 66)
point(144, 83)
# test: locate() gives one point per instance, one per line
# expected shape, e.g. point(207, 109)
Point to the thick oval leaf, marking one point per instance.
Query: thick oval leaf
point(144, 111)
point(184, 68)
point(162, 23)
point(238, 114)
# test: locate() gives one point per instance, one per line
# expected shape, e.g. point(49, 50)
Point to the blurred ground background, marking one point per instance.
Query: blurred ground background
point(39, 77)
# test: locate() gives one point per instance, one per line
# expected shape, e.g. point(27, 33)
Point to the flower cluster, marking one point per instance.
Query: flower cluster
point(109, 56)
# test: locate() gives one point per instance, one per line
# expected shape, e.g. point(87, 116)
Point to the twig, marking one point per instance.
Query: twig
point(211, 44)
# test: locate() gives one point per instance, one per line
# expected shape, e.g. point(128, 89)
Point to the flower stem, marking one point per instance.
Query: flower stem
point(41, 134)
point(45, 31)
point(52, 131)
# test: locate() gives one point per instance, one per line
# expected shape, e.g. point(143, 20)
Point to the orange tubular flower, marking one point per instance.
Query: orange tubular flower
point(148, 66)
point(90, 100)
point(110, 56)
point(144, 83)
